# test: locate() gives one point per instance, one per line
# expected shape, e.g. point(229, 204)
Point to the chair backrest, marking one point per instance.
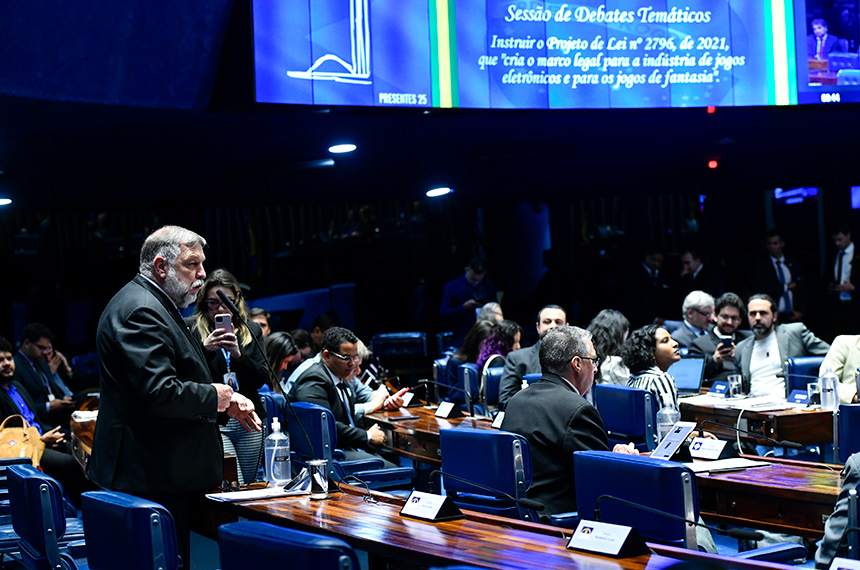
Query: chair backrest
point(469, 379)
point(410, 344)
point(628, 414)
point(444, 340)
point(664, 485)
point(849, 427)
point(318, 422)
point(5, 462)
point(36, 501)
point(491, 380)
point(532, 378)
point(248, 544)
point(800, 371)
point(496, 459)
point(128, 532)
point(848, 77)
point(275, 404)
point(440, 374)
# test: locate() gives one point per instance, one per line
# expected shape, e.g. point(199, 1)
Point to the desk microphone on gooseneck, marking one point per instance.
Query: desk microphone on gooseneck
point(527, 503)
point(732, 532)
point(231, 306)
point(782, 443)
point(469, 403)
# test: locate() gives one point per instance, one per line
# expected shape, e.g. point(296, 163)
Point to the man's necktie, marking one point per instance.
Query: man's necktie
point(345, 398)
point(786, 297)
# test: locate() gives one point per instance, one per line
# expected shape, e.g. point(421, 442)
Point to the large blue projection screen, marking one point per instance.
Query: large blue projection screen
point(502, 54)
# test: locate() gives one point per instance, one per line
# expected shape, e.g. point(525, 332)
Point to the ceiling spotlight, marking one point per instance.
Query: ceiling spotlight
point(5, 201)
point(436, 192)
point(341, 148)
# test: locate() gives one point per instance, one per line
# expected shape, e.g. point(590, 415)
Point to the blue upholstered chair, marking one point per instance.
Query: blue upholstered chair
point(849, 427)
point(532, 378)
point(39, 519)
point(248, 544)
point(405, 345)
point(496, 459)
point(469, 379)
point(800, 371)
point(444, 342)
point(490, 384)
point(128, 532)
point(638, 479)
point(628, 415)
point(275, 405)
point(319, 424)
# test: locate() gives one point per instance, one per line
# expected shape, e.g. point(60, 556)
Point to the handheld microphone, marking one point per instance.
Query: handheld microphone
point(527, 503)
point(783, 443)
point(231, 306)
point(733, 532)
point(469, 403)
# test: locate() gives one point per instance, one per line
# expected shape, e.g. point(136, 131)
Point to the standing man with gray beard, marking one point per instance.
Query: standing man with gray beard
point(157, 432)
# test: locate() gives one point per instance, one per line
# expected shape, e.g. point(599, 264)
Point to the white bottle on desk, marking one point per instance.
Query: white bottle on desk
point(829, 393)
point(278, 471)
point(666, 418)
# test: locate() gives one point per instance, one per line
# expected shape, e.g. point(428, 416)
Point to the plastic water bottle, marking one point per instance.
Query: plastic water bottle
point(666, 418)
point(278, 470)
point(829, 393)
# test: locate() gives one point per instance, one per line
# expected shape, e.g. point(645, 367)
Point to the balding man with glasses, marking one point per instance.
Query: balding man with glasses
point(698, 309)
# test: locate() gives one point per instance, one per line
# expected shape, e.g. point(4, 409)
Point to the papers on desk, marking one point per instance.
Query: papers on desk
point(719, 465)
point(82, 416)
point(254, 494)
point(754, 404)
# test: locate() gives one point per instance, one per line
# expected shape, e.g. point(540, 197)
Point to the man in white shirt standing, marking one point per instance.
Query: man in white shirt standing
point(761, 356)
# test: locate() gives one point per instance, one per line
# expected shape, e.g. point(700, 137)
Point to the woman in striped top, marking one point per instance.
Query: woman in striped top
point(648, 353)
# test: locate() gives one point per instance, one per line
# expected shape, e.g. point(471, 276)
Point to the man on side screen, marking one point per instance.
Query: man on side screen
point(157, 433)
point(527, 360)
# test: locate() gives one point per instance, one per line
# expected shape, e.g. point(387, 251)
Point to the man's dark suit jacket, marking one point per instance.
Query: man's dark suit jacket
point(315, 386)
point(29, 379)
point(835, 526)
point(157, 430)
point(556, 421)
point(765, 280)
point(518, 364)
point(707, 344)
point(830, 45)
point(708, 280)
point(685, 336)
point(9, 408)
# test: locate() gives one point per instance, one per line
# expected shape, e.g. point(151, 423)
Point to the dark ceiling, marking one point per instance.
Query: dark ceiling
point(81, 135)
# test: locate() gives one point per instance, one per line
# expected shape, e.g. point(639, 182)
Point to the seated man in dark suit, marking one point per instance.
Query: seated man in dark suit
point(57, 460)
point(526, 360)
point(698, 309)
point(720, 358)
point(819, 44)
point(325, 384)
point(556, 419)
point(53, 399)
point(834, 529)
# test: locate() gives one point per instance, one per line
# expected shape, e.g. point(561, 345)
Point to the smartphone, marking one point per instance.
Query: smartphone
point(727, 342)
point(224, 321)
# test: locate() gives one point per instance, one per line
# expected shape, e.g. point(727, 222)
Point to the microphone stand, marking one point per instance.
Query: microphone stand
point(733, 532)
point(469, 403)
point(526, 503)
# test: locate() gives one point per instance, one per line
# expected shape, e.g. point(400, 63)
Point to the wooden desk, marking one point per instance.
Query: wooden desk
point(418, 439)
point(811, 427)
point(480, 540)
point(794, 497)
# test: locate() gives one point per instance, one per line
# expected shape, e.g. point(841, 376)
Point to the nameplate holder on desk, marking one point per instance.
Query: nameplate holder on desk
point(703, 448)
point(719, 388)
point(430, 507)
point(607, 539)
point(798, 397)
point(410, 401)
point(497, 421)
point(448, 410)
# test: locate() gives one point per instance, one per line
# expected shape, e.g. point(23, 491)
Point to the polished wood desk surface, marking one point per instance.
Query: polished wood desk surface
point(481, 540)
point(418, 438)
point(801, 426)
point(794, 497)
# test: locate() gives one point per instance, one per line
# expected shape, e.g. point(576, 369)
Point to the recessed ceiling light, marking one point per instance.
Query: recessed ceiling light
point(436, 192)
point(5, 201)
point(341, 148)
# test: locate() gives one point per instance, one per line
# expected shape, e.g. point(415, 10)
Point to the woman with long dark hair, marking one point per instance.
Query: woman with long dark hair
point(609, 330)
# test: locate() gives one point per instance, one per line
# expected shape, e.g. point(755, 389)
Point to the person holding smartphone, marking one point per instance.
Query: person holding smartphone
point(234, 359)
point(718, 345)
